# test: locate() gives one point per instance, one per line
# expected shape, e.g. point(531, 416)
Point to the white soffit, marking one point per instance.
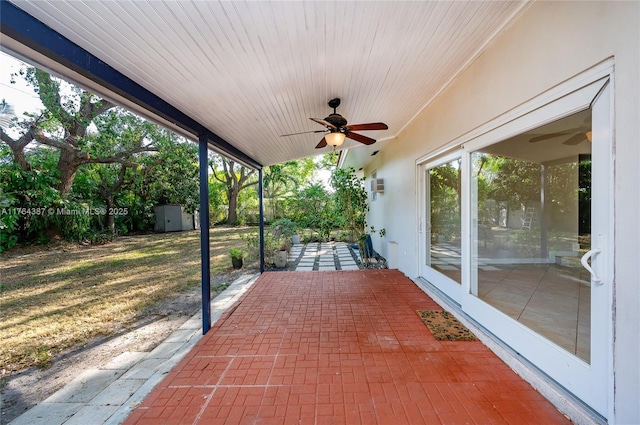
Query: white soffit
point(251, 71)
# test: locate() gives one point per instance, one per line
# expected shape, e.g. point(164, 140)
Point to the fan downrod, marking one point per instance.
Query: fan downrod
point(336, 119)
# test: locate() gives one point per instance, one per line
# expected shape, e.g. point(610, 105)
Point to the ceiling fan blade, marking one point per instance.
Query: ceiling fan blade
point(369, 126)
point(575, 139)
point(360, 138)
point(322, 143)
point(303, 132)
point(547, 136)
point(566, 132)
point(323, 122)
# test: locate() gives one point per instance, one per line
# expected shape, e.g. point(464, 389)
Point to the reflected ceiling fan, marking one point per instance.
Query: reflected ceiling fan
point(578, 135)
point(337, 129)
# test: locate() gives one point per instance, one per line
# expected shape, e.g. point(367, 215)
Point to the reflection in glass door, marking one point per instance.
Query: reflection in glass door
point(443, 217)
point(444, 205)
point(532, 224)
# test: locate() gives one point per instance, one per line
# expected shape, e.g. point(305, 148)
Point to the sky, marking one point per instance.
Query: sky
point(19, 95)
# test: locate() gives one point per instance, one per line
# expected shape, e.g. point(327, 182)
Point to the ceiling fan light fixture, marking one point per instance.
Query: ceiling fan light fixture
point(334, 138)
point(589, 135)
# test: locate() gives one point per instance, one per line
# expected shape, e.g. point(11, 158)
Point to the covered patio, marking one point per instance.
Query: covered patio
point(348, 346)
point(343, 347)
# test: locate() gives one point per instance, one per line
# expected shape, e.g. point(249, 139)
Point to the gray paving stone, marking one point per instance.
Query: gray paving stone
point(304, 269)
point(351, 267)
point(48, 414)
point(180, 335)
point(92, 415)
point(165, 350)
point(85, 387)
point(125, 360)
point(117, 393)
point(194, 322)
point(145, 369)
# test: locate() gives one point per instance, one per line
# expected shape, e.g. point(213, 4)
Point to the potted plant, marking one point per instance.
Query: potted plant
point(237, 255)
point(280, 256)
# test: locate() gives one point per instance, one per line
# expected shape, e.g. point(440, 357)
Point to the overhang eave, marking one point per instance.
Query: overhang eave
point(31, 40)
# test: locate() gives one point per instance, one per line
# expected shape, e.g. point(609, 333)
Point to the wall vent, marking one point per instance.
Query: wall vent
point(377, 185)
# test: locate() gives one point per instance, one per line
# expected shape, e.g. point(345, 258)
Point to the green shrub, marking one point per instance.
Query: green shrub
point(237, 253)
point(288, 227)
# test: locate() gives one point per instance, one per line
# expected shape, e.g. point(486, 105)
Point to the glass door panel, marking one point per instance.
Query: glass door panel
point(533, 224)
point(444, 212)
point(442, 253)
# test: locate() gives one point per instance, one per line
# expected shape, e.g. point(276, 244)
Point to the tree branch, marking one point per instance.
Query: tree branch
point(17, 146)
point(40, 137)
point(215, 174)
point(20, 143)
point(248, 184)
point(232, 172)
point(49, 93)
point(111, 160)
point(144, 149)
point(120, 181)
point(90, 110)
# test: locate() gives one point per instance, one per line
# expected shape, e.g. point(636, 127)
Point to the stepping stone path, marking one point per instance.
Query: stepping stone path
point(323, 257)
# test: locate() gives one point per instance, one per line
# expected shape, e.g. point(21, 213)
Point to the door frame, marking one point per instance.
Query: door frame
point(448, 286)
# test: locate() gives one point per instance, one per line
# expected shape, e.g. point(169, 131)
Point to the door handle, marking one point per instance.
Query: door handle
point(586, 265)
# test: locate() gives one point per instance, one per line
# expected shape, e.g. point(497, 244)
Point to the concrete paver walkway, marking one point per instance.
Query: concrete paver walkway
point(324, 256)
point(341, 347)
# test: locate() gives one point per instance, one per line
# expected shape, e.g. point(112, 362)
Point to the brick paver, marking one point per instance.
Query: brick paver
point(343, 347)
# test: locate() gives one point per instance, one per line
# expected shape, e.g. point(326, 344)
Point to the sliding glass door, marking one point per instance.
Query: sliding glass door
point(516, 229)
point(532, 201)
point(540, 219)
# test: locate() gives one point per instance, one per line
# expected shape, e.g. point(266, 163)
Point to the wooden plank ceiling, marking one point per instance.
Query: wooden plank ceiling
point(251, 71)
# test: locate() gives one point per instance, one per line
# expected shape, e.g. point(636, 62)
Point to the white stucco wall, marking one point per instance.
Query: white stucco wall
point(548, 44)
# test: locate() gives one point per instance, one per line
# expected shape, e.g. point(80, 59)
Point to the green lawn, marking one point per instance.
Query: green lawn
point(51, 300)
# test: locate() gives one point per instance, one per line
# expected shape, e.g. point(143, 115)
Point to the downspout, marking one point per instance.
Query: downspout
point(261, 206)
point(203, 163)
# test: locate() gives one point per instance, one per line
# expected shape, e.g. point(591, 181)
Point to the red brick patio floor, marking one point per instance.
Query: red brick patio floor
point(343, 347)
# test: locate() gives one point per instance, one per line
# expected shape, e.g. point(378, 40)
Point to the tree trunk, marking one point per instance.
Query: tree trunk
point(68, 167)
point(232, 215)
point(20, 158)
point(111, 222)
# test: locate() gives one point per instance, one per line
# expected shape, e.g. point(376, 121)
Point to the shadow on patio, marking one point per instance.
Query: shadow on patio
point(343, 347)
